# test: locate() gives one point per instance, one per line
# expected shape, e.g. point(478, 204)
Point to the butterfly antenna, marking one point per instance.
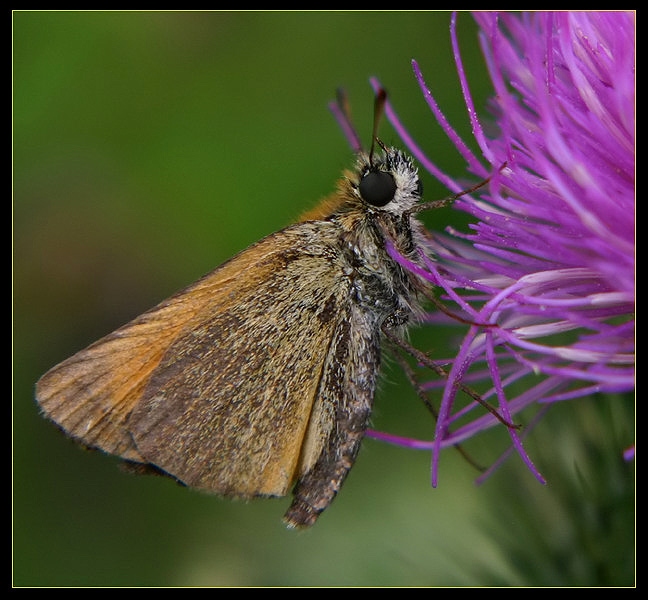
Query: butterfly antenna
point(379, 108)
point(341, 110)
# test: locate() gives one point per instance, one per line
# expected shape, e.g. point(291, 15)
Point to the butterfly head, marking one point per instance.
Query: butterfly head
point(387, 182)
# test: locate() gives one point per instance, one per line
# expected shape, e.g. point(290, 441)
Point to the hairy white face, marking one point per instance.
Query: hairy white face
point(388, 183)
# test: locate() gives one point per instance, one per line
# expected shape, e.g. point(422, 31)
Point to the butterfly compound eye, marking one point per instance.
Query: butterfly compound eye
point(377, 188)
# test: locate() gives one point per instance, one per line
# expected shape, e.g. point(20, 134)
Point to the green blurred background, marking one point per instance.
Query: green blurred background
point(150, 147)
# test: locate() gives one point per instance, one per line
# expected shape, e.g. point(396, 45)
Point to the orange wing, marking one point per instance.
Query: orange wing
point(216, 384)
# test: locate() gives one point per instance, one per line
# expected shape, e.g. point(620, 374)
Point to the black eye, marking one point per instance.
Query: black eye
point(377, 188)
point(419, 188)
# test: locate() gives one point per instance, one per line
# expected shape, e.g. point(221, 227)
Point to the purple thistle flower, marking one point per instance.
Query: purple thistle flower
point(549, 263)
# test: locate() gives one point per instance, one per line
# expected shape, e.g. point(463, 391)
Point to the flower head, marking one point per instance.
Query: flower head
point(546, 272)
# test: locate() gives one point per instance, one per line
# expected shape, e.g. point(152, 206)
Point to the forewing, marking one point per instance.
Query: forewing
point(215, 384)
